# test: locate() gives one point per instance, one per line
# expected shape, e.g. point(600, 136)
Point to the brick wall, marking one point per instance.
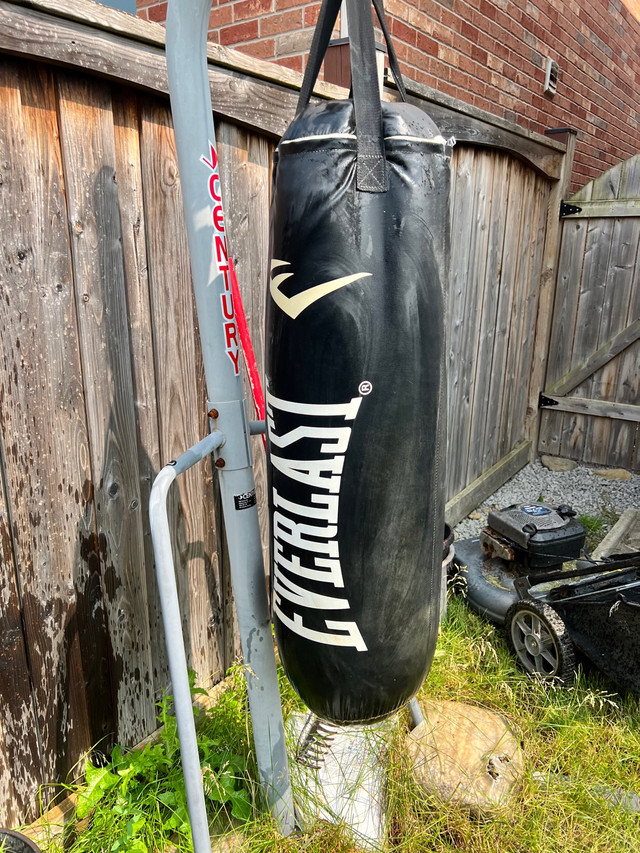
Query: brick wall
point(489, 53)
point(276, 30)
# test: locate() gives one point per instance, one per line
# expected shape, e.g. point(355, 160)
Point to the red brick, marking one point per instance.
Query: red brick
point(220, 16)
point(245, 9)
point(263, 49)
point(478, 54)
point(487, 10)
point(426, 44)
point(294, 62)
point(401, 31)
point(238, 33)
point(157, 13)
point(311, 14)
point(285, 22)
point(469, 32)
point(402, 50)
point(282, 5)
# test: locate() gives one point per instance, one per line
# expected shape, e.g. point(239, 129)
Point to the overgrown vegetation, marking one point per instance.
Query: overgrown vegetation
point(581, 745)
point(598, 525)
point(136, 803)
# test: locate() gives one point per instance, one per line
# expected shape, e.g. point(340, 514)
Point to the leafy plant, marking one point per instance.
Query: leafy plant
point(137, 802)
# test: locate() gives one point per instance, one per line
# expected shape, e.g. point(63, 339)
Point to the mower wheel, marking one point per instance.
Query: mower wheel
point(540, 641)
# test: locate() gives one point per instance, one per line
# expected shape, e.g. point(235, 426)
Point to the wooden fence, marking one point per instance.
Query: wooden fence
point(101, 380)
point(593, 376)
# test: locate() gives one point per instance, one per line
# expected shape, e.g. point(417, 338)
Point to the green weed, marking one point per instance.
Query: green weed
point(137, 803)
point(598, 525)
point(581, 749)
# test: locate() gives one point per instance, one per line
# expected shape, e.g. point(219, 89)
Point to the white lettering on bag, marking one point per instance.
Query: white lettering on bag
point(305, 535)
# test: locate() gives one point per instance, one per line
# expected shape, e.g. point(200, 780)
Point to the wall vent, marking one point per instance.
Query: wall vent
point(551, 77)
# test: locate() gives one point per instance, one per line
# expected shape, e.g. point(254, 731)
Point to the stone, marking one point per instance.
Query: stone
point(466, 755)
point(613, 473)
point(476, 516)
point(556, 463)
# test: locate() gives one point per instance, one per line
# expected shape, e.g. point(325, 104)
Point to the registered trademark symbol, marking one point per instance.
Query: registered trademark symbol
point(365, 388)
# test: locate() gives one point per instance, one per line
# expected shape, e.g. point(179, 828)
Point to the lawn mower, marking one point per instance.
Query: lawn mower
point(514, 574)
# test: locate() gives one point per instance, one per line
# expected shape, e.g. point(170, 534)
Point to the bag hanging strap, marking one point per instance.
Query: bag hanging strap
point(371, 174)
point(371, 164)
point(321, 38)
point(327, 18)
point(391, 53)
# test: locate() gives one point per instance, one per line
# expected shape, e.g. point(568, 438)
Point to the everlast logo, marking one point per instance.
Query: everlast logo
point(308, 446)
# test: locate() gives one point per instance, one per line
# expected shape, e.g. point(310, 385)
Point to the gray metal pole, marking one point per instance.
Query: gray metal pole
point(187, 24)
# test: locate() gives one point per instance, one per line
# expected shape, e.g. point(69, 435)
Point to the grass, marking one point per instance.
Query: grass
point(579, 743)
point(597, 526)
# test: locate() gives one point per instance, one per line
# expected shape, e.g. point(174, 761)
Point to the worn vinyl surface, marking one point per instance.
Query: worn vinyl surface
point(354, 352)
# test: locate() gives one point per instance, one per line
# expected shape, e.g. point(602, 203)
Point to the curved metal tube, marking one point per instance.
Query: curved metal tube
point(168, 591)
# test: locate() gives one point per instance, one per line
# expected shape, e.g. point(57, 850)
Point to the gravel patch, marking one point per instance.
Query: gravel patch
point(584, 490)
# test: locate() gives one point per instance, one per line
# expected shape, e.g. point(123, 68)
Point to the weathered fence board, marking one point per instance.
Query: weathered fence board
point(128, 169)
point(45, 437)
point(181, 395)
point(103, 380)
point(98, 270)
point(21, 769)
point(459, 345)
point(497, 192)
point(595, 354)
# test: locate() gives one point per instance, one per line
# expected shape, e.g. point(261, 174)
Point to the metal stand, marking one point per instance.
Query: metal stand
point(187, 24)
point(339, 771)
point(339, 776)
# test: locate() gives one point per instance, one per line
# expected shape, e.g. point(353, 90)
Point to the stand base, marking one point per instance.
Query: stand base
point(337, 775)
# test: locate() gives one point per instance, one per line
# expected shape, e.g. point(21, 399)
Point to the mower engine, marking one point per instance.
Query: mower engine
point(534, 537)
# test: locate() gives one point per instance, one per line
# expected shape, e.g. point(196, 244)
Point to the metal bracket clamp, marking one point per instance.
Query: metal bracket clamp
point(231, 419)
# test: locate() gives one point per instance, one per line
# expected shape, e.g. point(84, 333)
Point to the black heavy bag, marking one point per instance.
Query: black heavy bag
point(355, 384)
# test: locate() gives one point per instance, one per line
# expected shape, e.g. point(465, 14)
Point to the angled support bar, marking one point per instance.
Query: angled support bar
point(168, 590)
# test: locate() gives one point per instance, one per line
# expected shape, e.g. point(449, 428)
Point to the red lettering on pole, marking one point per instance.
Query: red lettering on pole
point(227, 281)
point(221, 248)
point(235, 358)
point(231, 333)
point(218, 218)
point(227, 306)
point(214, 158)
point(220, 242)
point(214, 187)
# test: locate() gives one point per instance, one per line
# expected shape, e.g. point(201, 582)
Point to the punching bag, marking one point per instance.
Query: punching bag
point(355, 388)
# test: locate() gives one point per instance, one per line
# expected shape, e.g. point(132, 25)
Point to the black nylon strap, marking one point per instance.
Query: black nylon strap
point(393, 59)
point(371, 164)
point(321, 38)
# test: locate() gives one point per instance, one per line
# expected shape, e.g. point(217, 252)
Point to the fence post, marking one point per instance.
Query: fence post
point(548, 284)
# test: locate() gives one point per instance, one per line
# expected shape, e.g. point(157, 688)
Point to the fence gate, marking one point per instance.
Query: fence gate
point(591, 400)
